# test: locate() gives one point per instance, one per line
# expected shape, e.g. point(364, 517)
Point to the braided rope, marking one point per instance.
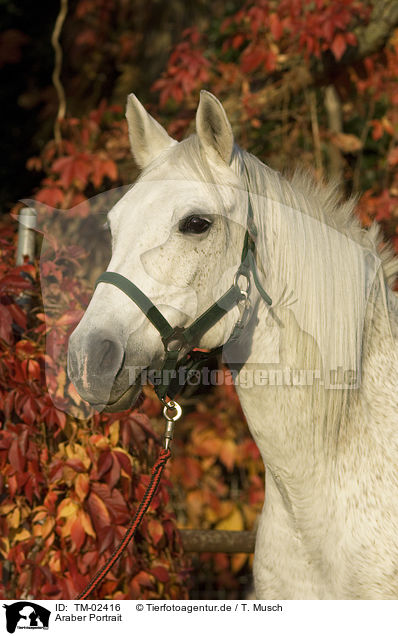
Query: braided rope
point(156, 474)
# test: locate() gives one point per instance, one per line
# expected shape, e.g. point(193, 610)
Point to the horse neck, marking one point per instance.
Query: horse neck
point(302, 429)
point(284, 419)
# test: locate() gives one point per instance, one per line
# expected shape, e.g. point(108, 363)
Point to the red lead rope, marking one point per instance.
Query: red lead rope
point(157, 471)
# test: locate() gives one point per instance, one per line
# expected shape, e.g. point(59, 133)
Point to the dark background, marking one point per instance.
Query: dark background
point(28, 99)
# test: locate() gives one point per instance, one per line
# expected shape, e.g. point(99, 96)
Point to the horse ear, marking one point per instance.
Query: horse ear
point(147, 137)
point(213, 128)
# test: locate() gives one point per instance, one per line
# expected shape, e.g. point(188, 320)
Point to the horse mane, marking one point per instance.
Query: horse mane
point(334, 270)
point(325, 202)
point(314, 258)
point(342, 215)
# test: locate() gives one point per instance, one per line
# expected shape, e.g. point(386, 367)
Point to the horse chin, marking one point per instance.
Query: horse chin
point(131, 398)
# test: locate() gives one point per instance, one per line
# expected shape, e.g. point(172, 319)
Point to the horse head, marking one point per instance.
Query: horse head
point(177, 234)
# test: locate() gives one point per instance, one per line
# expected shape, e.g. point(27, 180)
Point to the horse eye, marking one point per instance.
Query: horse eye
point(194, 225)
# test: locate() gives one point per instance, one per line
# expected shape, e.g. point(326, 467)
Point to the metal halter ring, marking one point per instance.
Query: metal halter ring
point(172, 406)
point(175, 341)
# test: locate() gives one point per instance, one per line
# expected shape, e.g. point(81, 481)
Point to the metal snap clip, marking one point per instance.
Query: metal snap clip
point(172, 406)
point(171, 419)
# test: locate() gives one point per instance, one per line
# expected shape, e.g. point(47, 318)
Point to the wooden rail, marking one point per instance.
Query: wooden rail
point(227, 541)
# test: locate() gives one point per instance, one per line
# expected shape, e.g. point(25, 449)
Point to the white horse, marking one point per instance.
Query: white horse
point(321, 402)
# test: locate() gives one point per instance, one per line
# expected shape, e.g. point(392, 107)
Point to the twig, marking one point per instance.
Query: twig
point(363, 137)
point(56, 76)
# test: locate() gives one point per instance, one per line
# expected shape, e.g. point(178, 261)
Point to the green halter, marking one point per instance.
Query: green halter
point(176, 338)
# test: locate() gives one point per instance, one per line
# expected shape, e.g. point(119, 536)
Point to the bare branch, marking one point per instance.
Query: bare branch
point(335, 119)
point(311, 98)
point(56, 76)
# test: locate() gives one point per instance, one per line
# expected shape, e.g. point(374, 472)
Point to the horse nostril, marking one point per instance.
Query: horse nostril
point(94, 362)
point(110, 356)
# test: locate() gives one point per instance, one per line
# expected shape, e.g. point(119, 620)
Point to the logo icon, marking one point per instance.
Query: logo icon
point(26, 615)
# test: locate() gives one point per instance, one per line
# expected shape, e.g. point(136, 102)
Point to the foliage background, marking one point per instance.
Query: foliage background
point(312, 79)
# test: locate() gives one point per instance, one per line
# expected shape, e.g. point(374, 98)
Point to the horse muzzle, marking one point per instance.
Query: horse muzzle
point(96, 368)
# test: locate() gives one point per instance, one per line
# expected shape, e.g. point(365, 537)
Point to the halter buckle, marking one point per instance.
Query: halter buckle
point(244, 292)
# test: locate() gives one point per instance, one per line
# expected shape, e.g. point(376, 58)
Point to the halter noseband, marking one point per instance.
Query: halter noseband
point(174, 339)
